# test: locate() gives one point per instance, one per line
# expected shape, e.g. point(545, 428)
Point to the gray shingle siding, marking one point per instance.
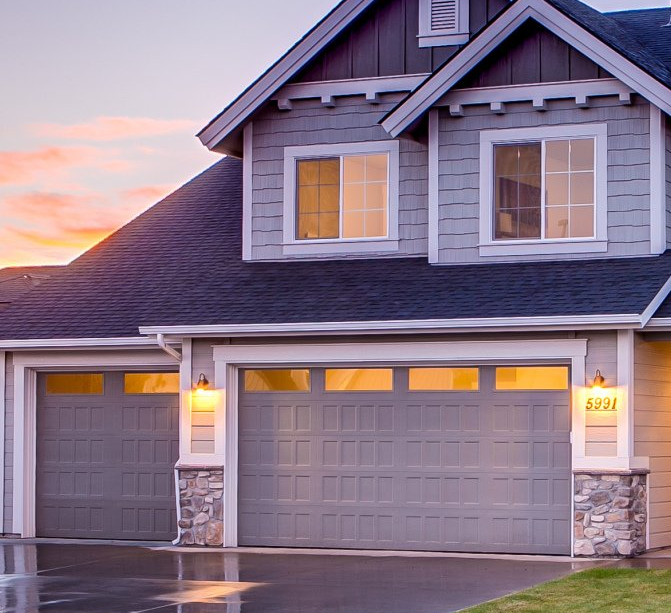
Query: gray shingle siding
point(668, 181)
point(352, 120)
point(628, 173)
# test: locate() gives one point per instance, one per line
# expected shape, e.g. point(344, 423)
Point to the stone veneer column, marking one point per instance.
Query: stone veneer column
point(611, 513)
point(201, 507)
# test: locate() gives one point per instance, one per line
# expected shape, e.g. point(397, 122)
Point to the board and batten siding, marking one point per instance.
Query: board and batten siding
point(8, 484)
point(352, 120)
point(652, 431)
point(601, 427)
point(628, 173)
point(384, 42)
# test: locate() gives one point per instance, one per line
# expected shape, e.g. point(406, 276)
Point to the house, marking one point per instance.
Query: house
point(19, 280)
point(421, 304)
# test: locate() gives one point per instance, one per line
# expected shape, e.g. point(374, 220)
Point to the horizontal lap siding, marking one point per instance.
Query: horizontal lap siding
point(601, 428)
point(202, 428)
point(352, 120)
point(628, 173)
point(9, 443)
point(652, 431)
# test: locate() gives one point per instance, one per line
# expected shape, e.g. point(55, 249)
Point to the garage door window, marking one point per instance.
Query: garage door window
point(443, 379)
point(277, 380)
point(75, 384)
point(151, 383)
point(532, 378)
point(359, 380)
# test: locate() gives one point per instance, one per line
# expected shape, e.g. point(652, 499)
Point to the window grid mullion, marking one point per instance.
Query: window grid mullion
point(543, 190)
point(341, 199)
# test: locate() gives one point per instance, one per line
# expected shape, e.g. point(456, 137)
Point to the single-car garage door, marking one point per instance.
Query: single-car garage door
point(107, 444)
point(451, 459)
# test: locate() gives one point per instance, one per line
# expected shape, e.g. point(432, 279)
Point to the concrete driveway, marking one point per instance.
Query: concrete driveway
point(108, 578)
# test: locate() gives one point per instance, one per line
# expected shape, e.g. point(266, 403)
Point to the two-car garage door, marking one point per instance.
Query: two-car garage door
point(469, 459)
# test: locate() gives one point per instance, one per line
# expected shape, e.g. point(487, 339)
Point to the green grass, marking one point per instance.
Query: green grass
point(600, 590)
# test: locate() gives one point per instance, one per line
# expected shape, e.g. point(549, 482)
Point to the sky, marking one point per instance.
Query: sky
point(100, 102)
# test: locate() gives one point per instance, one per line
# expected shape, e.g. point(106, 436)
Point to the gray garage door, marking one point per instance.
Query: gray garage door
point(484, 470)
point(105, 458)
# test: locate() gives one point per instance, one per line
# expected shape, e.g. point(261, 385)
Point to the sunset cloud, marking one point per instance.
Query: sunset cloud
point(148, 193)
point(114, 128)
point(23, 167)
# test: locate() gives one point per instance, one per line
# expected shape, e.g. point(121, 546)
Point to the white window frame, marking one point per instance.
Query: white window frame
point(294, 246)
point(428, 37)
point(551, 246)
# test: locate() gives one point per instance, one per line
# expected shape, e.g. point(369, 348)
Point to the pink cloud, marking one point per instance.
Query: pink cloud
point(114, 128)
point(21, 167)
point(148, 194)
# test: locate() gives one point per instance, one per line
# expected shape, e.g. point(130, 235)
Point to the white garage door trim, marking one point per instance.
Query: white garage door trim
point(229, 358)
point(26, 367)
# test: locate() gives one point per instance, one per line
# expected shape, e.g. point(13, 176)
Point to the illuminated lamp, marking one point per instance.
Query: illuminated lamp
point(202, 385)
point(599, 381)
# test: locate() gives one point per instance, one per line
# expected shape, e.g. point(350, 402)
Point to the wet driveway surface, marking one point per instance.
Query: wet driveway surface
point(83, 578)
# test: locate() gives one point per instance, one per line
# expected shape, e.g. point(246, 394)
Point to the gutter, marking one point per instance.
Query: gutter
point(76, 343)
point(160, 340)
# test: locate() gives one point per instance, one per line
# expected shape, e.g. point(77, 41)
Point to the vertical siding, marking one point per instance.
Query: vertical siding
point(628, 173)
point(601, 428)
point(652, 431)
point(351, 120)
point(532, 55)
point(9, 444)
point(384, 42)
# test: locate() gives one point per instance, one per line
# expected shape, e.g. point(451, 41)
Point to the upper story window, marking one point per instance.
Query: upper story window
point(543, 190)
point(443, 22)
point(341, 198)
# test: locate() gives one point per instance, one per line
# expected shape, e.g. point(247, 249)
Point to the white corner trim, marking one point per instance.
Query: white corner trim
point(489, 138)
point(77, 343)
point(26, 366)
point(3, 408)
point(247, 190)
point(296, 58)
point(312, 247)
point(406, 326)
point(657, 180)
point(441, 82)
point(656, 302)
point(229, 358)
point(434, 187)
point(350, 87)
point(625, 382)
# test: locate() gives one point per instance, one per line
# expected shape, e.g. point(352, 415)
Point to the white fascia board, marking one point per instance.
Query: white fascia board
point(657, 181)
point(403, 326)
point(76, 343)
point(660, 324)
point(350, 87)
point(569, 31)
point(295, 59)
point(3, 408)
point(656, 302)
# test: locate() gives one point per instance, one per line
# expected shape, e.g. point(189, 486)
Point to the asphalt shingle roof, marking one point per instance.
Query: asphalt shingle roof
point(19, 280)
point(180, 264)
point(647, 27)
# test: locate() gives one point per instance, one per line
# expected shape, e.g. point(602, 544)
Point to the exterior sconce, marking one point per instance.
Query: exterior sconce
point(202, 384)
point(599, 380)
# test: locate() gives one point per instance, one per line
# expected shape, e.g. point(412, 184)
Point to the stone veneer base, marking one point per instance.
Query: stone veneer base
point(610, 513)
point(201, 507)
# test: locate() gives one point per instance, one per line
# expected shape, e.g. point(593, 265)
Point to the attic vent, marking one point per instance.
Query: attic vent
point(443, 15)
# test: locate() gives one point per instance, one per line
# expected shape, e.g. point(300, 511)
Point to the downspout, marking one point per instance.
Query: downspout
point(160, 339)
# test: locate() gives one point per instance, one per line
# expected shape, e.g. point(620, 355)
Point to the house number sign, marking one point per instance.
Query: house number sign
point(601, 403)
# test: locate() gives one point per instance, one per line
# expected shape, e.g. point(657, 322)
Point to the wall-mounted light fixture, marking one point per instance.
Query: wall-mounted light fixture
point(599, 380)
point(203, 384)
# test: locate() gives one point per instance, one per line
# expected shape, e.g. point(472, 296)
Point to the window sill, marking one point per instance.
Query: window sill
point(543, 248)
point(341, 247)
point(442, 40)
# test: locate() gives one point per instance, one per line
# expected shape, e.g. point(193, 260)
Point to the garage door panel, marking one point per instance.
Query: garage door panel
point(105, 464)
point(463, 471)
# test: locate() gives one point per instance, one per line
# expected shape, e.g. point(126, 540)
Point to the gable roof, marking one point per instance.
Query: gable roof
point(594, 34)
point(645, 25)
point(139, 276)
point(261, 90)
